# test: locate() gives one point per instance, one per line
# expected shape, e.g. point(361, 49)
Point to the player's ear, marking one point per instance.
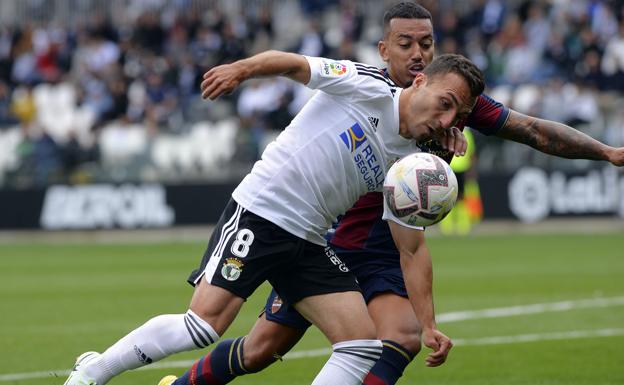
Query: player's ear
point(419, 80)
point(383, 50)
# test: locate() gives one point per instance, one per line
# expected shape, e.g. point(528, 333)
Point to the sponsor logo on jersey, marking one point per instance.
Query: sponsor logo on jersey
point(363, 156)
point(232, 269)
point(373, 121)
point(333, 68)
point(354, 137)
point(276, 305)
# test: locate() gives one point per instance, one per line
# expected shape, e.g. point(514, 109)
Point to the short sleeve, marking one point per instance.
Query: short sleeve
point(331, 76)
point(356, 81)
point(488, 116)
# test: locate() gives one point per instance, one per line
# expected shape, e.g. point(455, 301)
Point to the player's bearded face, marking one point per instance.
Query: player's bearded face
point(438, 104)
point(407, 48)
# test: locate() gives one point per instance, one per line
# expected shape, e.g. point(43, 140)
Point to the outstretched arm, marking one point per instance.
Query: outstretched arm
point(557, 139)
point(418, 275)
point(225, 78)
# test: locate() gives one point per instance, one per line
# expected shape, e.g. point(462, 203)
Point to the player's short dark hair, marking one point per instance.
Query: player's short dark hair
point(461, 66)
point(404, 10)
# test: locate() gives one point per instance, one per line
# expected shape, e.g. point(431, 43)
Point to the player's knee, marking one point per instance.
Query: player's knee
point(258, 356)
point(365, 330)
point(409, 341)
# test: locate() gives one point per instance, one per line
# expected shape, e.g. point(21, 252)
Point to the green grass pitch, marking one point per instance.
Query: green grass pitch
point(60, 299)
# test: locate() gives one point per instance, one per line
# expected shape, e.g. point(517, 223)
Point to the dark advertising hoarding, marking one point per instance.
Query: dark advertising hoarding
point(529, 195)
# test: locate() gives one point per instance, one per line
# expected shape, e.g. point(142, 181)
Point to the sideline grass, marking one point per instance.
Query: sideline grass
point(59, 300)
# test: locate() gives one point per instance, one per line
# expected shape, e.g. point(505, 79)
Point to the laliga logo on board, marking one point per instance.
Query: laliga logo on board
point(534, 194)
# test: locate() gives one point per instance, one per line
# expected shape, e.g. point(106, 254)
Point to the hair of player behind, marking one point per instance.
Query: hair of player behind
point(404, 10)
point(461, 66)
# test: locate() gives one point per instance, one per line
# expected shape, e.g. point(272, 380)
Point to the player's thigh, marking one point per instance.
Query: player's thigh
point(267, 341)
point(325, 292)
point(395, 320)
point(340, 316)
point(240, 256)
point(215, 305)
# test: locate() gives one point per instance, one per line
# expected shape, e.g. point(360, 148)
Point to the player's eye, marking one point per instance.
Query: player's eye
point(445, 104)
point(426, 44)
point(405, 45)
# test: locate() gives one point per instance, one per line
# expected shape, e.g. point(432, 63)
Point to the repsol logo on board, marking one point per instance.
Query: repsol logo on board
point(535, 194)
point(106, 206)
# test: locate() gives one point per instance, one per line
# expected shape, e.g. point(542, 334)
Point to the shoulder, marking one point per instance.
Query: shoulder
point(488, 115)
point(373, 73)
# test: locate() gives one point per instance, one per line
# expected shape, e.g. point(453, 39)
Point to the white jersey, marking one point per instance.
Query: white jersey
point(336, 149)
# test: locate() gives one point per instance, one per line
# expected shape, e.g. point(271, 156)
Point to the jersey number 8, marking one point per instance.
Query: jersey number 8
point(241, 244)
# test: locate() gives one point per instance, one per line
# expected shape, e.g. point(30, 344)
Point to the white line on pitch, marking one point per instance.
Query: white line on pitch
point(498, 340)
point(569, 335)
point(444, 317)
point(530, 309)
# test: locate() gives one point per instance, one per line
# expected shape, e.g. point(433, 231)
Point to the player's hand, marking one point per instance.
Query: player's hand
point(616, 156)
point(454, 140)
point(221, 80)
point(439, 343)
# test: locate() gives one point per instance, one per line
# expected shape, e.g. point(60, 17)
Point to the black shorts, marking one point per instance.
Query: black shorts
point(245, 250)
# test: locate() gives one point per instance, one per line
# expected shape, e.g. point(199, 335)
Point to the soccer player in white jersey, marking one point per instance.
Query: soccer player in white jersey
point(364, 243)
point(273, 227)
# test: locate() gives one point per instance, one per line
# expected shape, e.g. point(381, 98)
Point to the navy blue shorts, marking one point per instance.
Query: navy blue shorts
point(375, 274)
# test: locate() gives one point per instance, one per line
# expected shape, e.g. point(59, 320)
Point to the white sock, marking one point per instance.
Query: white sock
point(154, 340)
point(349, 363)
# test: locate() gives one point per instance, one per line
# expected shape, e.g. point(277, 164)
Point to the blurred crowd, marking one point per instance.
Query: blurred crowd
point(115, 95)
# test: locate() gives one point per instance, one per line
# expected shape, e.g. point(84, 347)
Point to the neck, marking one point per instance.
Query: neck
point(403, 106)
point(391, 76)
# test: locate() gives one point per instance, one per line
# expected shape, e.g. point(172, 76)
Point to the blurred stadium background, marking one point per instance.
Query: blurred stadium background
point(102, 127)
point(103, 96)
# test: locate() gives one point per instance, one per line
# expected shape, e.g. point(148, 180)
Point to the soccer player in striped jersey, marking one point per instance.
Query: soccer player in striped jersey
point(363, 240)
point(273, 229)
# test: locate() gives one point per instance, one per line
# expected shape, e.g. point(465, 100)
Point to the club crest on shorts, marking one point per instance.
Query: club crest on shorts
point(232, 269)
point(276, 305)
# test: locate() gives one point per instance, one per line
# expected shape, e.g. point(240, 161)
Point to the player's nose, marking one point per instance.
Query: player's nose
point(448, 120)
point(416, 54)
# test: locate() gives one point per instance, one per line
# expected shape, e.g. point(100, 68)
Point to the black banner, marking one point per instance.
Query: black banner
point(105, 206)
point(530, 195)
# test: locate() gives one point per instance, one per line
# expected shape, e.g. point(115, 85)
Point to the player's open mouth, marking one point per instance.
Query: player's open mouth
point(416, 69)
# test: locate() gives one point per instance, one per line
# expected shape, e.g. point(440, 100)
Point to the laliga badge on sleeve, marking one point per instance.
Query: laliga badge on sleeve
point(332, 69)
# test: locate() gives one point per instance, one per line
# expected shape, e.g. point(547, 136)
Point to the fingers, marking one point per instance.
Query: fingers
point(441, 346)
point(439, 356)
point(213, 88)
point(461, 143)
point(208, 88)
point(217, 82)
point(456, 141)
point(618, 158)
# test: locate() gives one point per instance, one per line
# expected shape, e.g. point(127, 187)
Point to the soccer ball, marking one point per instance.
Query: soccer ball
point(420, 189)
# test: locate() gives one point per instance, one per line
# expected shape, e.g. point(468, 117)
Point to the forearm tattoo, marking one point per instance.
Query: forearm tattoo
point(552, 137)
